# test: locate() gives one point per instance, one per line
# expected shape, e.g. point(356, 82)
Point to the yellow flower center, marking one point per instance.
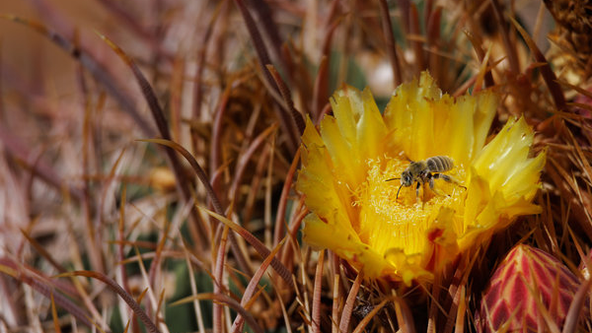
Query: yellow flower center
point(388, 223)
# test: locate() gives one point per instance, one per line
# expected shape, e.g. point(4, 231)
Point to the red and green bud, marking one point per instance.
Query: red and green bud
point(530, 291)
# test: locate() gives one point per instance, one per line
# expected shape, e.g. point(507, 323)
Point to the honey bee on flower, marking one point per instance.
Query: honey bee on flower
point(422, 172)
point(391, 235)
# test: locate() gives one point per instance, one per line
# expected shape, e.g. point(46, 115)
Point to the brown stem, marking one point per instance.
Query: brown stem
point(391, 47)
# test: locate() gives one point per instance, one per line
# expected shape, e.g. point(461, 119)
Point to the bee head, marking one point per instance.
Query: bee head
point(406, 179)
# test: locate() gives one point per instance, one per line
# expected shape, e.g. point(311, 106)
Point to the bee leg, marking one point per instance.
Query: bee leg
point(397, 198)
point(448, 178)
point(453, 180)
point(437, 176)
point(419, 184)
point(431, 178)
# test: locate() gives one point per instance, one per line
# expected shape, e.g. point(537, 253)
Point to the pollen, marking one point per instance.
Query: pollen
point(388, 223)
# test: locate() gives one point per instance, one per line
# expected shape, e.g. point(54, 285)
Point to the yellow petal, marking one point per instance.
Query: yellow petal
point(323, 234)
point(371, 129)
point(506, 165)
point(427, 123)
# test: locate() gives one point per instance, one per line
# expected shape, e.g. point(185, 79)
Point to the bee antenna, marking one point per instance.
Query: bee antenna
point(408, 159)
point(399, 190)
point(388, 180)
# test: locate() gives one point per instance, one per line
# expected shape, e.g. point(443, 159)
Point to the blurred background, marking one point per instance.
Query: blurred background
point(79, 192)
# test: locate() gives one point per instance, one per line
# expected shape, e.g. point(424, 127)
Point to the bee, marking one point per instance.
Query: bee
point(422, 172)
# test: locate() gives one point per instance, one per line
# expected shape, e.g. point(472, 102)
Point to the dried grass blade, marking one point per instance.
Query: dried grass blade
point(159, 306)
point(264, 60)
point(283, 202)
point(583, 161)
point(94, 236)
point(142, 294)
point(9, 271)
point(391, 46)
point(150, 326)
point(270, 28)
point(293, 252)
point(269, 156)
point(256, 38)
point(145, 87)
point(151, 301)
point(576, 307)
point(510, 49)
point(583, 106)
point(2, 95)
point(256, 243)
point(462, 89)
point(417, 46)
point(336, 303)
point(457, 291)
point(117, 9)
point(90, 64)
point(404, 6)
point(54, 315)
point(218, 280)
point(201, 174)
point(176, 98)
point(9, 268)
point(287, 96)
point(579, 89)
point(163, 129)
point(566, 189)
point(461, 310)
point(319, 96)
point(434, 308)
point(252, 286)
point(43, 252)
point(349, 304)
point(261, 180)
point(193, 284)
point(477, 42)
point(158, 253)
point(457, 310)
point(216, 139)
point(224, 299)
point(284, 312)
point(546, 71)
point(201, 61)
point(245, 158)
point(404, 316)
point(122, 242)
point(44, 171)
point(316, 296)
point(433, 27)
point(484, 74)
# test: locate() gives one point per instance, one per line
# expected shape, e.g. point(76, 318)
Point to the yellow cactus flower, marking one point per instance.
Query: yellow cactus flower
point(356, 208)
